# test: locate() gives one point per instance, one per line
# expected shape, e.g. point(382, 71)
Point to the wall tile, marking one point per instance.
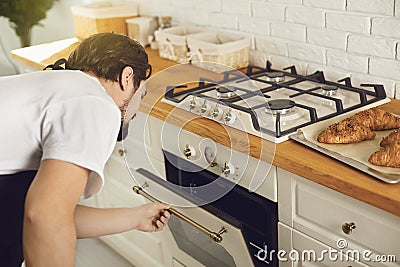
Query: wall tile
point(273, 46)
point(224, 21)
point(374, 46)
point(328, 4)
point(346, 61)
point(387, 27)
point(289, 31)
point(254, 25)
point(208, 5)
point(268, 11)
point(307, 52)
point(236, 7)
point(385, 68)
point(327, 38)
point(384, 7)
point(305, 15)
point(347, 22)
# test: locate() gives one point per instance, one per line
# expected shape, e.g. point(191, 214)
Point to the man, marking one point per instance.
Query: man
point(58, 128)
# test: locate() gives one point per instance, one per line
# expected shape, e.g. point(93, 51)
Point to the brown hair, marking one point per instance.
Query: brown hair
point(107, 54)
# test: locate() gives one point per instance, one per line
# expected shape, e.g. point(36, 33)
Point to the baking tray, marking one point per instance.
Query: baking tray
point(386, 177)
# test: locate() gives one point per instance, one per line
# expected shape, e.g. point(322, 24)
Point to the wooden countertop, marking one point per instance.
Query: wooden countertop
point(289, 155)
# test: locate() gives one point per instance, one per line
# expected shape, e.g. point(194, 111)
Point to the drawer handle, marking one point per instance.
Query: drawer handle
point(121, 152)
point(215, 236)
point(348, 228)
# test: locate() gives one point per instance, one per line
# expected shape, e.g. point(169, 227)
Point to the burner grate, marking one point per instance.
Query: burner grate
point(312, 94)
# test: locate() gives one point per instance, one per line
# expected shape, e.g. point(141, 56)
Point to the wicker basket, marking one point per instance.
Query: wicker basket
point(217, 47)
point(102, 17)
point(172, 42)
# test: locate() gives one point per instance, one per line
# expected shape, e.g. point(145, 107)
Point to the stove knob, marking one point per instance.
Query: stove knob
point(216, 113)
point(189, 151)
point(228, 168)
point(229, 116)
point(205, 108)
point(193, 105)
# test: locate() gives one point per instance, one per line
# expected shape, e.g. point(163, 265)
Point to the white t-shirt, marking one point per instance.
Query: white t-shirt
point(63, 115)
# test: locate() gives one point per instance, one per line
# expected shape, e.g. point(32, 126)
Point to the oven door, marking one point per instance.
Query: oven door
point(249, 220)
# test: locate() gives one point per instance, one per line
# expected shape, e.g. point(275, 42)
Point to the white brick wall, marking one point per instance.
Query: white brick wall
point(385, 7)
point(305, 15)
point(373, 46)
point(397, 92)
point(286, 30)
point(347, 61)
point(236, 7)
point(327, 38)
point(389, 27)
point(385, 68)
point(307, 52)
point(268, 11)
point(273, 46)
point(208, 5)
point(254, 25)
point(328, 4)
point(356, 38)
point(224, 21)
point(348, 22)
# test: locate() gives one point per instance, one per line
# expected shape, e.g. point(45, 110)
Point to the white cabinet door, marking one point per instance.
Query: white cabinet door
point(320, 212)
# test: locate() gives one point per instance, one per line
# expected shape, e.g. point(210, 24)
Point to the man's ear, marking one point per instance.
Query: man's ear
point(126, 77)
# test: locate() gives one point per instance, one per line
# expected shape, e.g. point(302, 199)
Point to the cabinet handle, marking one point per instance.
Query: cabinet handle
point(121, 152)
point(348, 228)
point(217, 237)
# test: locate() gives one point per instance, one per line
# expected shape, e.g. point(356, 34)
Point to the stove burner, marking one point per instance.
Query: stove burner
point(275, 77)
point(329, 90)
point(223, 92)
point(281, 106)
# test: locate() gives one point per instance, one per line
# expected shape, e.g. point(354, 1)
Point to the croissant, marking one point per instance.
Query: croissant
point(375, 118)
point(387, 156)
point(393, 137)
point(345, 133)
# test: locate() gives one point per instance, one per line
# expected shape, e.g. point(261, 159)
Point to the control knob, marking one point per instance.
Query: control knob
point(193, 105)
point(216, 113)
point(229, 116)
point(228, 168)
point(189, 151)
point(205, 108)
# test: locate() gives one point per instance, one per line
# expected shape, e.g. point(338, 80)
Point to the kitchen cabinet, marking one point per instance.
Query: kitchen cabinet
point(139, 248)
point(313, 212)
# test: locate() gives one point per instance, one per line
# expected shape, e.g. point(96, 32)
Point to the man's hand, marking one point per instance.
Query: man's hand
point(151, 217)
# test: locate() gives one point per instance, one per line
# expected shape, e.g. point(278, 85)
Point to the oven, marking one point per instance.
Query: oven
point(216, 219)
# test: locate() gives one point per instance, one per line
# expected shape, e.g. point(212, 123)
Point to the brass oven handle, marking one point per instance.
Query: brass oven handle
point(217, 237)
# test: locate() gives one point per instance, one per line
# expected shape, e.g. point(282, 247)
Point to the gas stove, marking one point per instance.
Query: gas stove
point(270, 103)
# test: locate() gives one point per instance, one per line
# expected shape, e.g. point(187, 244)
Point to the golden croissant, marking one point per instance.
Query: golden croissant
point(345, 133)
point(387, 156)
point(375, 118)
point(393, 137)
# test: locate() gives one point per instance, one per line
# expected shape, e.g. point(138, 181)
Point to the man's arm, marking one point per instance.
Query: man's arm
point(91, 222)
point(49, 235)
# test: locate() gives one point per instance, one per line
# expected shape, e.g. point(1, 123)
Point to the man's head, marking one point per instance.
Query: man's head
point(107, 54)
point(120, 64)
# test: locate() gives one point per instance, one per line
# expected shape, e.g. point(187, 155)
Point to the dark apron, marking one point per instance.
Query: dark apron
point(13, 189)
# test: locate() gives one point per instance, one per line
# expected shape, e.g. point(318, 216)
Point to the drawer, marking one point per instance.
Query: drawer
point(302, 250)
point(321, 212)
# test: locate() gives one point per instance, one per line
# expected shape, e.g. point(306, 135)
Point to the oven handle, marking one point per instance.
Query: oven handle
point(217, 237)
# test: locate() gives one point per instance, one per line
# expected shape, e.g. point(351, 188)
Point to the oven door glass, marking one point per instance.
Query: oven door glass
point(198, 245)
